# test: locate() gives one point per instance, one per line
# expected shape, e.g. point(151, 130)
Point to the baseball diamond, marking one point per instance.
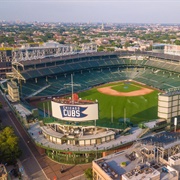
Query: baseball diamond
point(110, 91)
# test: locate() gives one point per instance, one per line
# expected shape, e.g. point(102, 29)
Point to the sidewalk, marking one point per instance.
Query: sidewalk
point(22, 171)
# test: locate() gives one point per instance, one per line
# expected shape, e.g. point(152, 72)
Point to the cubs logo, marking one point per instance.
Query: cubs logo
point(73, 111)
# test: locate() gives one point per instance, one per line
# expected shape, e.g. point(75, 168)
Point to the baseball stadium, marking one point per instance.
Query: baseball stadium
point(112, 92)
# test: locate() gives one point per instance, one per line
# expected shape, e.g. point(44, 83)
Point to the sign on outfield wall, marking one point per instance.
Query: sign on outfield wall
point(72, 112)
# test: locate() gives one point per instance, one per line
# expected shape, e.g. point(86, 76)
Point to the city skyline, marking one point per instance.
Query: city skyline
point(129, 11)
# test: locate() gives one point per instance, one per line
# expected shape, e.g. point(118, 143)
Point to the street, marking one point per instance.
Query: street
point(36, 166)
point(28, 159)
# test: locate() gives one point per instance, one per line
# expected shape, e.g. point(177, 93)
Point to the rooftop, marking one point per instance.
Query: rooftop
point(35, 128)
point(130, 157)
point(47, 45)
point(3, 172)
point(22, 110)
point(163, 139)
point(168, 172)
point(171, 92)
point(132, 165)
point(135, 167)
point(142, 172)
point(175, 157)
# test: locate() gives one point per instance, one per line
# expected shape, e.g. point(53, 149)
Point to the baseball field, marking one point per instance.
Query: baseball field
point(136, 102)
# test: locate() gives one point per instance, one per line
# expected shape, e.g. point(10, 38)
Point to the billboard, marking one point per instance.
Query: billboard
point(74, 112)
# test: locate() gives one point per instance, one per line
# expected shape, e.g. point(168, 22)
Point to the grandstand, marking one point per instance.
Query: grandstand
point(154, 70)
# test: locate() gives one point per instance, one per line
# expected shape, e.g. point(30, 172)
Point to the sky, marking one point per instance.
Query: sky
point(103, 11)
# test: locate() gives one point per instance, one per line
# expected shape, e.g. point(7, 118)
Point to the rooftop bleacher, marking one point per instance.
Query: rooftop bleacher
point(162, 139)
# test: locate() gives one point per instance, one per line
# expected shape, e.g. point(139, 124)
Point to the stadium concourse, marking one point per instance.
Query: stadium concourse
point(46, 78)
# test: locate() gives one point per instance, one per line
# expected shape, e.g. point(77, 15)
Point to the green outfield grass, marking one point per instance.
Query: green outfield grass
point(138, 108)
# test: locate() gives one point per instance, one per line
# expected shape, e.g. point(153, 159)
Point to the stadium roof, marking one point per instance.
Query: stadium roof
point(59, 58)
point(83, 55)
point(54, 65)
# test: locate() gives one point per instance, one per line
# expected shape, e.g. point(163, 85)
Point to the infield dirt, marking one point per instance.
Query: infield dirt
point(109, 91)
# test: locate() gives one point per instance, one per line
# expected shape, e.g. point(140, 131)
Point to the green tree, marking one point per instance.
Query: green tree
point(9, 149)
point(149, 48)
point(100, 48)
point(127, 44)
point(110, 49)
point(177, 42)
point(88, 173)
point(1, 126)
point(85, 41)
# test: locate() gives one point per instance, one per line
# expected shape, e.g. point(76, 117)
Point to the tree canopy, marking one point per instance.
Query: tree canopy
point(88, 173)
point(177, 42)
point(9, 149)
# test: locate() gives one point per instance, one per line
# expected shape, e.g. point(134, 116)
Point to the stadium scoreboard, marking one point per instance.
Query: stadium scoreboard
point(75, 112)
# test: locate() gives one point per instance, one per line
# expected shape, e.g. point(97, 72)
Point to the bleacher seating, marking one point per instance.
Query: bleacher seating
point(55, 70)
point(92, 71)
point(34, 73)
point(45, 71)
